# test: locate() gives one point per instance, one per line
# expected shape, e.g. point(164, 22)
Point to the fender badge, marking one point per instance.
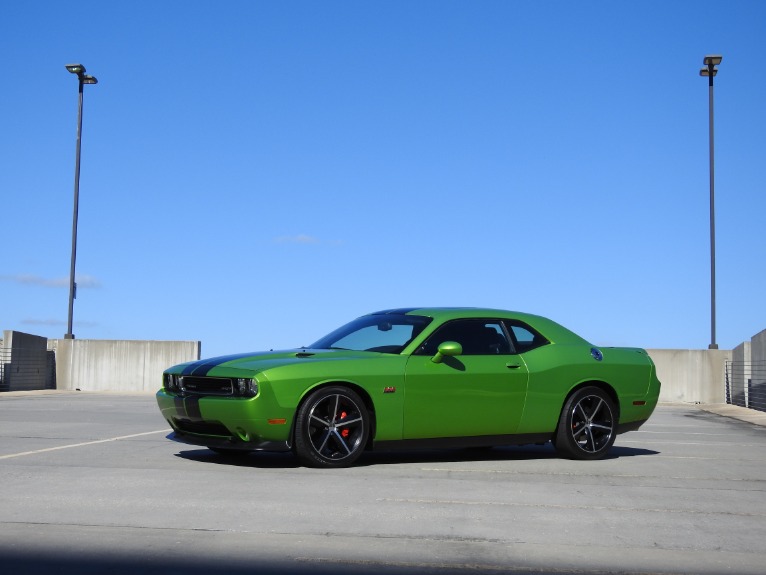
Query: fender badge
point(596, 353)
point(389, 390)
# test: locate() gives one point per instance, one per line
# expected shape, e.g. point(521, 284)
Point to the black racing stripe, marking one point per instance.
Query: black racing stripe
point(187, 408)
point(398, 311)
point(191, 404)
point(202, 368)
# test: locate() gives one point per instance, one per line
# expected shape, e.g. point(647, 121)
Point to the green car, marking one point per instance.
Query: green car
point(415, 378)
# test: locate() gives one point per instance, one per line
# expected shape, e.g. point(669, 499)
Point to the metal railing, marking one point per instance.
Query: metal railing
point(746, 384)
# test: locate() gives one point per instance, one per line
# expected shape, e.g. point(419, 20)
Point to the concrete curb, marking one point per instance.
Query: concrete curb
point(734, 411)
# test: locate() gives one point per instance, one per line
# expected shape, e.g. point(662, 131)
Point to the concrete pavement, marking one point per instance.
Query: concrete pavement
point(91, 485)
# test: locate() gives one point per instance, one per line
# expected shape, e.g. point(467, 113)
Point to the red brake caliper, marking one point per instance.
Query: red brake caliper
point(344, 432)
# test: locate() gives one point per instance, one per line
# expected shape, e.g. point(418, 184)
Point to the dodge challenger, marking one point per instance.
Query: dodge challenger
point(415, 378)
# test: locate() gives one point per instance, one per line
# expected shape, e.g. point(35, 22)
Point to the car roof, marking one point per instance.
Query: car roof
point(549, 328)
point(456, 312)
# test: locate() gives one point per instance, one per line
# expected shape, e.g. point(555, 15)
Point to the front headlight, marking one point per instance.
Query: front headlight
point(171, 382)
point(247, 387)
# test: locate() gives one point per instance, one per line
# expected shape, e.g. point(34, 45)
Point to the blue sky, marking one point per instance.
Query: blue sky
point(256, 173)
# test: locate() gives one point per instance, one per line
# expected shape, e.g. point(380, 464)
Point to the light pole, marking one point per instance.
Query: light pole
point(710, 70)
point(83, 79)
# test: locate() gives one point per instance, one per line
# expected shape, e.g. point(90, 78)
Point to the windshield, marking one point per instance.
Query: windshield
point(384, 333)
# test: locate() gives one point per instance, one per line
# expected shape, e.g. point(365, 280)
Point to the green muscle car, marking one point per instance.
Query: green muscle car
point(413, 378)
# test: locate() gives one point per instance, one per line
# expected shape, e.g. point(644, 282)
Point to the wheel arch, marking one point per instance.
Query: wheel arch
point(603, 386)
point(356, 388)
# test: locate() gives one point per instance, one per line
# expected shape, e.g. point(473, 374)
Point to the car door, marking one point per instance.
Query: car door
point(481, 391)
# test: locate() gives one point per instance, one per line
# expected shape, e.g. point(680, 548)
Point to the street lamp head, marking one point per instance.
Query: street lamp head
point(712, 60)
point(76, 68)
point(710, 70)
point(84, 78)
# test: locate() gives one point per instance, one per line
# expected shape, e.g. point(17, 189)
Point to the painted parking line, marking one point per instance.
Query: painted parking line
point(36, 451)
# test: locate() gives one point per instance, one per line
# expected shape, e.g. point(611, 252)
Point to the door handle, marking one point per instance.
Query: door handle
point(513, 365)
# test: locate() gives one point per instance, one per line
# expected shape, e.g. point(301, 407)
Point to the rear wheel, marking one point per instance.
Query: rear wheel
point(331, 428)
point(587, 425)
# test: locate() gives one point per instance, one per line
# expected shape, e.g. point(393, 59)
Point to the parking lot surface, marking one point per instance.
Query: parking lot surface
point(90, 484)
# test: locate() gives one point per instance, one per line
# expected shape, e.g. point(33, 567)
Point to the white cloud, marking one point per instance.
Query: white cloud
point(305, 239)
point(53, 322)
point(29, 279)
point(57, 322)
point(299, 239)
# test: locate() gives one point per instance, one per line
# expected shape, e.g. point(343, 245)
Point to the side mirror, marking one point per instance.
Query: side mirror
point(447, 349)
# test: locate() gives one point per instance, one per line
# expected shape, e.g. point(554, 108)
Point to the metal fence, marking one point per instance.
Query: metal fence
point(27, 369)
point(746, 384)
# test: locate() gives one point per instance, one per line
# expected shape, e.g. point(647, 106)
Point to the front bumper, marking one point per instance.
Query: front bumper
point(228, 442)
point(226, 422)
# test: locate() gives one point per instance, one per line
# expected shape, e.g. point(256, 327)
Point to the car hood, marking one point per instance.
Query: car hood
point(259, 361)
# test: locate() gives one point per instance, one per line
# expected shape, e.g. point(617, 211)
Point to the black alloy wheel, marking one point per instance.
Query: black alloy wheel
point(587, 425)
point(331, 428)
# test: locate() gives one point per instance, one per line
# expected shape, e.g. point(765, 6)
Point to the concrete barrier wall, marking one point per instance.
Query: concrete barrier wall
point(740, 374)
point(757, 387)
point(758, 350)
point(691, 375)
point(118, 365)
point(687, 375)
point(25, 361)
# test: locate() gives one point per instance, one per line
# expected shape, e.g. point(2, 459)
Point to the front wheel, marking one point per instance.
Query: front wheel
point(331, 428)
point(587, 425)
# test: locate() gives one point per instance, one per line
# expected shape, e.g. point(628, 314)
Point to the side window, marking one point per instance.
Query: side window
point(477, 336)
point(524, 337)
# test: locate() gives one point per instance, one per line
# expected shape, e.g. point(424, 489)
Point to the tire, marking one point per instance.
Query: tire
point(331, 428)
point(587, 426)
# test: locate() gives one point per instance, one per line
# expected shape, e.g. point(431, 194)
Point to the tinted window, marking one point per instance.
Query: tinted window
point(477, 336)
point(525, 338)
point(386, 333)
point(377, 338)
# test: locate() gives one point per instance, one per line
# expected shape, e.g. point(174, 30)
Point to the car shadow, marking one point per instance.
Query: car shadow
point(502, 453)
point(270, 460)
point(622, 452)
point(264, 459)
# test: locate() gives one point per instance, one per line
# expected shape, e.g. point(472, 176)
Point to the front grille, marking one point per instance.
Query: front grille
point(207, 385)
point(201, 427)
